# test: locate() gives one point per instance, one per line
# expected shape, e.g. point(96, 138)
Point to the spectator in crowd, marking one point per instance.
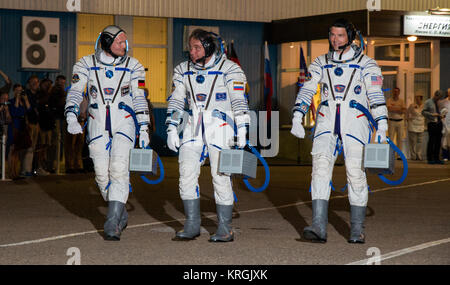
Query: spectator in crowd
point(445, 113)
point(396, 108)
point(416, 127)
point(5, 88)
point(46, 125)
point(18, 132)
point(56, 103)
point(434, 125)
point(32, 118)
point(5, 120)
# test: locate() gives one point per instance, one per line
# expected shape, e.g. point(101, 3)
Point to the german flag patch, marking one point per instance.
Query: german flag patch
point(141, 83)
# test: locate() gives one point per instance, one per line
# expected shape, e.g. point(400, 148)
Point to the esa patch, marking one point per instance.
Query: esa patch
point(357, 89)
point(75, 78)
point(339, 88)
point(221, 96)
point(93, 91)
point(200, 97)
point(125, 90)
point(108, 91)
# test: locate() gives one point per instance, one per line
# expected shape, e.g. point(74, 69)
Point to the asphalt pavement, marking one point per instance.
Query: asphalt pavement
point(58, 220)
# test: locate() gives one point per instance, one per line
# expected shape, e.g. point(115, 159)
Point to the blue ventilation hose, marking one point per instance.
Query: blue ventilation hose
point(266, 169)
point(354, 104)
point(229, 121)
point(127, 108)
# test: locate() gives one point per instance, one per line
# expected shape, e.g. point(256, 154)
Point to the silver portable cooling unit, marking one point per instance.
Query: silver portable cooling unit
point(143, 161)
point(238, 162)
point(379, 158)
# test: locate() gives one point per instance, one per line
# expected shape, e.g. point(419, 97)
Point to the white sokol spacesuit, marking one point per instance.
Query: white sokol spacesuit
point(343, 79)
point(215, 96)
point(110, 83)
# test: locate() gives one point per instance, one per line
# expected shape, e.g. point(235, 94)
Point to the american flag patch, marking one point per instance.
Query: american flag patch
point(376, 80)
point(238, 86)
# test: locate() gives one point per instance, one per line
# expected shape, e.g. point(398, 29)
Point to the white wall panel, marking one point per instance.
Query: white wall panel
point(236, 10)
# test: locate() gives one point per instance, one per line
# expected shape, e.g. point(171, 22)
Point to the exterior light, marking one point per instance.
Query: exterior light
point(411, 38)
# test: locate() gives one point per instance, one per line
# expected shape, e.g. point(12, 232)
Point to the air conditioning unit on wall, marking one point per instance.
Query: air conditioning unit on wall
point(40, 43)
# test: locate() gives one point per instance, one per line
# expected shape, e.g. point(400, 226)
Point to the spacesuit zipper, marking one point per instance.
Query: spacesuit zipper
point(108, 120)
point(337, 121)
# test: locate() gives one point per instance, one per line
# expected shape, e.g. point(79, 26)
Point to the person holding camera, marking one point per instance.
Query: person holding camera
point(5, 118)
point(18, 132)
point(32, 119)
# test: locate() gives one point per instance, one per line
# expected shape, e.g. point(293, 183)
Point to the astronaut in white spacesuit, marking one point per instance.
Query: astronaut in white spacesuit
point(345, 74)
point(112, 82)
point(213, 88)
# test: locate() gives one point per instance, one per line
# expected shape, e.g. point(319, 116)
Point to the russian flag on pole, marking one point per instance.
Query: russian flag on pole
point(268, 88)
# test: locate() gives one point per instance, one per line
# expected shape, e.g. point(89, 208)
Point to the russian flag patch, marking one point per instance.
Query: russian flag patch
point(238, 86)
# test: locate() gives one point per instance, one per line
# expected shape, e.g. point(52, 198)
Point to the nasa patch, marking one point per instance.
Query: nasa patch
point(357, 89)
point(93, 91)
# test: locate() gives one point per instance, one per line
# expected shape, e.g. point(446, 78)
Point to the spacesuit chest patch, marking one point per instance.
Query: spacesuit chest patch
point(357, 89)
point(338, 71)
point(221, 96)
point(339, 88)
point(200, 97)
point(325, 90)
point(108, 91)
point(93, 91)
point(125, 90)
point(109, 73)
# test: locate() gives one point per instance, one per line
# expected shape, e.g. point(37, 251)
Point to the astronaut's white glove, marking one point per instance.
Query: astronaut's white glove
point(144, 139)
point(380, 136)
point(73, 127)
point(241, 137)
point(297, 127)
point(173, 140)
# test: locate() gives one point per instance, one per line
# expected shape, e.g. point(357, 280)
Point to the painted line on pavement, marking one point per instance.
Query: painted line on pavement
point(209, 216)
point(400, 252)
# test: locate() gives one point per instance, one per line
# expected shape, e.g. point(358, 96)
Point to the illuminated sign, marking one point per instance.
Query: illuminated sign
point(429, 26)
